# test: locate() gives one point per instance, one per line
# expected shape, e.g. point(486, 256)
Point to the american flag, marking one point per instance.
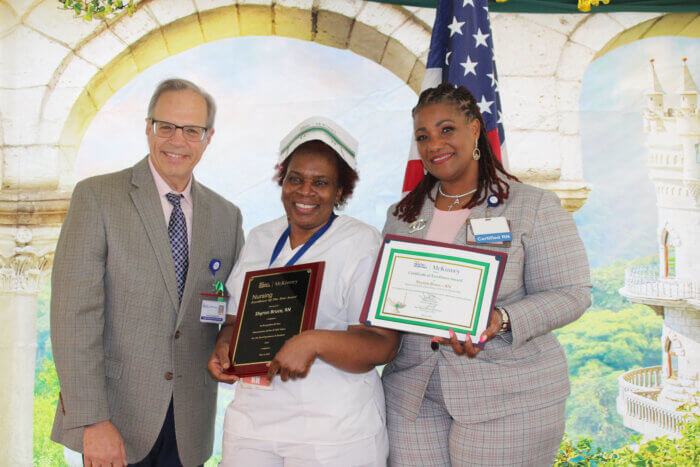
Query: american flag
point(461, 53)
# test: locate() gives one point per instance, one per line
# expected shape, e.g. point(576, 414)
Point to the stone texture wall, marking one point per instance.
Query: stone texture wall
point(682, 328)
point(56, 71)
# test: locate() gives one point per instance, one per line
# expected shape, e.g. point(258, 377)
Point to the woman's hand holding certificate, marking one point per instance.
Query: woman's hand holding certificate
point(494, 327)
point(434, 288)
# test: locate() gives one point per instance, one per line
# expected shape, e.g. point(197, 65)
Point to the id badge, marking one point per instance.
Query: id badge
point(213, 311)
point(256, 382)
point(489, 231)
point(214, 305)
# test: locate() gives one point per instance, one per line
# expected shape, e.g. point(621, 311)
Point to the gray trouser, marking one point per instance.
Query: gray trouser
point(436, 439)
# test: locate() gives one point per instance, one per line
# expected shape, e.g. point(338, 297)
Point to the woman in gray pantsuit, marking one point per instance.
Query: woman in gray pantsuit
point(451, 403)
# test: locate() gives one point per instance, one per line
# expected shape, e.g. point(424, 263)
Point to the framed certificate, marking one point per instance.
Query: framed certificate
point(275, 305)
point(429, 287)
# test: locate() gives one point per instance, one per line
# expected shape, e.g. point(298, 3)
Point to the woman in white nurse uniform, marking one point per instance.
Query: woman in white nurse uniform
point(324, 404)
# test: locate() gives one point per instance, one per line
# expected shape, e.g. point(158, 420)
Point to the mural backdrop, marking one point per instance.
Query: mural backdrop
point(264, 86)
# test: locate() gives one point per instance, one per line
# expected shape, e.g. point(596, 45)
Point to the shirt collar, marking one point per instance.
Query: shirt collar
point(163, 187)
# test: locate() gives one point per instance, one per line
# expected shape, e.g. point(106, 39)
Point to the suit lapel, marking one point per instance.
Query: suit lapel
point(479, 212)
point(200, 221)
point(145, 197)
point(425, 215)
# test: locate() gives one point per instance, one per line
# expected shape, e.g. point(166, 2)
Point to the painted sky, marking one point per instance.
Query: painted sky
point(264, 86)
point(619, 219)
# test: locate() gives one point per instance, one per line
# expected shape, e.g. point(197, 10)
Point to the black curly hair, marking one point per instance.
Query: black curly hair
point(489, 166)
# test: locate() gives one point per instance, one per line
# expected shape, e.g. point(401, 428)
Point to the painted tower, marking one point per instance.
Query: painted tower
point(649, 397)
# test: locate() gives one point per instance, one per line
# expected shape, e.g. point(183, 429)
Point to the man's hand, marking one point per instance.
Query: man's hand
point(103, 446)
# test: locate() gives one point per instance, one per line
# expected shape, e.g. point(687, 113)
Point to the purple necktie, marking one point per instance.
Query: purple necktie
point(177, 231)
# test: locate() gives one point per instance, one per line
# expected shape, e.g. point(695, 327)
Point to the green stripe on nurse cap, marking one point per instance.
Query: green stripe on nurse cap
point(322, 129)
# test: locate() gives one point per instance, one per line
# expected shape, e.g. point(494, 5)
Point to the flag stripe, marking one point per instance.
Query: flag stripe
point(413, 175)
point(495, 143)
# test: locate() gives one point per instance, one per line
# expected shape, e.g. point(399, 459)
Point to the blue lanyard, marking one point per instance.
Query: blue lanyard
point(306, 246)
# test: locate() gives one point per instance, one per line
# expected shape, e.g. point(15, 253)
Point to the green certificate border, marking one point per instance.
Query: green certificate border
point(387, 276)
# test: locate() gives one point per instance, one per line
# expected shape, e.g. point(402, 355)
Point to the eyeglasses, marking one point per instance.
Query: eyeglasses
point(189, 132)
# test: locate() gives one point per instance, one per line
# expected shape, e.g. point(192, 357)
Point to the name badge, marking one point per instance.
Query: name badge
point(256, 382)
point(491, 230)
point(213, 311)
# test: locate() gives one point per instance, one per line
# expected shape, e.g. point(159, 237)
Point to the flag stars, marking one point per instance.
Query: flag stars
point(484, 105)
point(480, 38)
point(455, 27)
point(469, 66)
point(494, 83)
point(466, 52)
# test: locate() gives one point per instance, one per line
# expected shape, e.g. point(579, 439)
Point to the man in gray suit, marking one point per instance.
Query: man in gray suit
point(133, 257)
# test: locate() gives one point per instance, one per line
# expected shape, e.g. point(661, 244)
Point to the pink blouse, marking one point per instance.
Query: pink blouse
point(446, 224)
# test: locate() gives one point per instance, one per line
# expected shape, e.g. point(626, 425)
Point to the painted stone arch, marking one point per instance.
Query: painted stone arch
point(673, 24)
point(391, 36)
point(542, 124)
point(70, 68)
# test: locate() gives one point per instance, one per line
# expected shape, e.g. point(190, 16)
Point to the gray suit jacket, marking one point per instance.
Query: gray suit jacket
point(117, 329)
point(545, 285)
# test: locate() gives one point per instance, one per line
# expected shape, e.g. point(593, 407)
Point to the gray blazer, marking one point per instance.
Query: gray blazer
point(545, 285)
point(122, 344)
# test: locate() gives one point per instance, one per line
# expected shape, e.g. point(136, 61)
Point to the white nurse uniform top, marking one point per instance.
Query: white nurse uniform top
point(329, 406)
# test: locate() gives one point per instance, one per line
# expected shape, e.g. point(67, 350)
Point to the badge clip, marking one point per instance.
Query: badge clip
point(491, 202)
point(214, 304)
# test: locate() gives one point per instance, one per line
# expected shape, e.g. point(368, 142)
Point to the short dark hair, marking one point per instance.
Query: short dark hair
point(347, 177)
point(178, 84)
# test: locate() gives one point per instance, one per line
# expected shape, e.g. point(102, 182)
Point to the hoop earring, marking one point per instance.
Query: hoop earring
point(476, 154)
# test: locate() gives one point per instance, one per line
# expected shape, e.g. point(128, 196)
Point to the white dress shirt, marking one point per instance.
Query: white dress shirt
point(185, 202)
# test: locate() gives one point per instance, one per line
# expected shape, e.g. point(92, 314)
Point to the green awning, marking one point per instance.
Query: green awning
point(571, 6)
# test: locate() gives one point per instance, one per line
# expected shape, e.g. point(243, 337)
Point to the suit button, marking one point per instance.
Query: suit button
point(168, 376)
point(177, 334)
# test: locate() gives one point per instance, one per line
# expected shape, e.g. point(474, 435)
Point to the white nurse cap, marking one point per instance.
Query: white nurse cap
point(322, 129)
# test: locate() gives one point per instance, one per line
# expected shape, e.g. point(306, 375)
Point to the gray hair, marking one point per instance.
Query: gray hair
point(177, 84)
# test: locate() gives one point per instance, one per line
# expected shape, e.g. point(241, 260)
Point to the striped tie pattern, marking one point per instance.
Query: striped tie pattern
point(177, 231)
